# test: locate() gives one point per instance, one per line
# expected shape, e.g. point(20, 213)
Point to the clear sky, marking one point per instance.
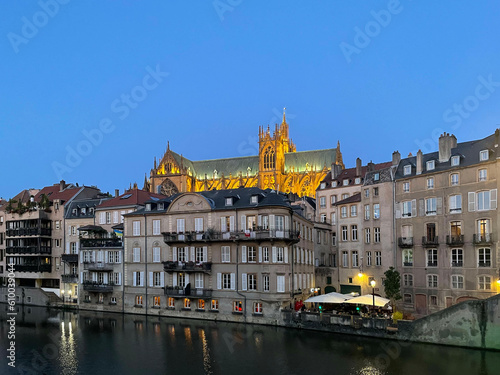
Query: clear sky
point(92, 90)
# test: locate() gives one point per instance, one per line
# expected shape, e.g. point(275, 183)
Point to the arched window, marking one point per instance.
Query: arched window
point(269, 158)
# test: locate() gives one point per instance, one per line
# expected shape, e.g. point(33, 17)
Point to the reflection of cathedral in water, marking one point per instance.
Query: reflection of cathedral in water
point(278, 166)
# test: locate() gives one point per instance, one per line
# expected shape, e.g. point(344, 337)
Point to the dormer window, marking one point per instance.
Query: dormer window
point(148, 206)
point(83, 211)
point(75, 211)
point(345, 182)
point(160, 206)
point(322, 185)
point(229, 201)
point(357, 180)
point(254, 199)
point(431, 165)
point(407, 170)
point(334, 183)
point(455, 160)
point(376, 176)
point(483, 155)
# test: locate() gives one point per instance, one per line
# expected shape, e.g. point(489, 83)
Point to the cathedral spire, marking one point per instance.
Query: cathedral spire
point(284, 120)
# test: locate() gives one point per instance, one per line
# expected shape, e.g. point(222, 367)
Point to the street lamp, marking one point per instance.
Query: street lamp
point(373, 283)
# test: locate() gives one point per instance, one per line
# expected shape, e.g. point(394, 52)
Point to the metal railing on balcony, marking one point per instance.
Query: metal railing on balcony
point(170, 266)
point(250, 235)
point(69, 278)
point(457, 264)
point(92, 286)
point(430, 241)
point(70, 258)
point(484, 264)
point(98, 266)
point(483, 238)
point(36, 231)
point(179, 292)
point(28, 250)
point(32, 268)
point(455, 240)
point(407, 264)
point(405, 241)
point(432, 264)
point(92, 243)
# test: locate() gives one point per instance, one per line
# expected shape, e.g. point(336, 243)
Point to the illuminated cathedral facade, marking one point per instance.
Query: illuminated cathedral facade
point(278, 166)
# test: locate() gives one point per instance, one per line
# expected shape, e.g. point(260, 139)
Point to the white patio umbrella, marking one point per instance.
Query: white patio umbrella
point(367, 299)
point(332, 297)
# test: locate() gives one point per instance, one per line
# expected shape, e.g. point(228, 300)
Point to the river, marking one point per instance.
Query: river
point(52, 341)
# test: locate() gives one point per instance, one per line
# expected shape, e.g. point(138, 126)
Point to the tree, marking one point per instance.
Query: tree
point(392, 286)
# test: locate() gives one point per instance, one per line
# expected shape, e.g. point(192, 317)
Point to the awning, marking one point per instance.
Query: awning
point(367, 299)
point(92, 228)
point(329, 298)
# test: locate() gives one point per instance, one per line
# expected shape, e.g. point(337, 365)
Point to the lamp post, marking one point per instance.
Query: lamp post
point(373, 283)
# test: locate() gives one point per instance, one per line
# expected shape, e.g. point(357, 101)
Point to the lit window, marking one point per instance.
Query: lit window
point(171, 302)
point(214, 305)
point(431, 165)
point(257, 307)
point(201, 304)
point(407, 170)
point(483, 155)
point(138, 300)
point(187, 303)
point(237, 306)
point(156, 301)
point(455, 160)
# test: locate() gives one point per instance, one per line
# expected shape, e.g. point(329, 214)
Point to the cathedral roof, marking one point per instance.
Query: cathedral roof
point(227, 166)
point(317, 159)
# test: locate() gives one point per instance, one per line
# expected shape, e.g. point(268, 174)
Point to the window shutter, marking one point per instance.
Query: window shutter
point(162, 279)
point(81, 257)
point(233, 281)
point(272, 222)
point(193, 258)
point(205, 254)
point(151, 279)
point(106, 257)
point(134, 276)
point(94, 276)
point(243, 223)
point(398, 210)
point(174, 279)
point(119, 278)
point(187, 280)
point(274, 254)
point(439, 206)
point(259, 221)
point(119, 257)
point(286, 254)
point(413, 208)
point(243, 281)
point(421, 207)
point(67, 247)
point(77, 247)
point(231, 223)
point(174, 254)
point(102, 217)
point(93, 256)
point(260, 254)
point(223, 227)
point(493, 199)
point(472, 201)
point(287, 223)
point(142, 279)
point(81, 277)
point(105, 278)
point(243, 254)
point(219, 280)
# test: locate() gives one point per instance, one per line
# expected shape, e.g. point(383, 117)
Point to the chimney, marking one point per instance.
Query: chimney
point(446, 143)
point(419, 162)
point(497, 136)
point(62, 184)
point(336, 169)
point(358, 167)
point(117, 192)
point(370, 167)
point(396, 158)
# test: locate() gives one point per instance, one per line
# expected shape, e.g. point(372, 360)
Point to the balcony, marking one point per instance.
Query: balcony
point(484, 264)
point(93, 243)
point(170, 266)
point(178, 292)
point(28, 250)
point(455, 240)
point(70, 258)
point(405, 242)
point(432, 264)
point(91, 286)
point(213, 236)
point(482, 239)
point(19, 232)
point(457, 264)
point(32, 268)
point(430, 241)
point(407, 264)
point(98, 266)
point(69, 278)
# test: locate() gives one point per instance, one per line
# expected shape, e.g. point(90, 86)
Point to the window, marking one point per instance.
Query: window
point(334, 239)
point(455, 229)
point(432, 258)
point(357, 180)
point(229, 201)
point(199, 254)
point(115, 217)
point(367, 212)
point(407, 257)
point(136, 228)
point(265, 254)
point(457, 282)
point(237, 306)
point(171, 302)
point(198, 224)
point(322, 202)
point(344, 233)
point(375, 191)
point(201, 304)
point(376, 235)
point(483, 155)
point(138, 301)
point(322, 185)
point(376, 176)
point(279, 254)
point(252, 281)
point(156, 255)
point(432, 281)
point(136, 254)
point(430, 206)
point(187, 303)
point(406, 187)
point(355, 259)
point(345, 195)
point(343, 211)
point(484, 282)
point(483, 229)
point(430, 183)
point(225, 254)
point(252, 254)
point(484, 199)
point(455, 160)
point(483, 175)
point(181, 279)
point(430, 232)
point(254, 199)
point(368, 258)
point(407, 208)
point(269, 158)
point(198, 281)
point(181, 225)
point(58, 242)
point(454, 179)
point(58, 224)
point(345, 182)
point(345, 259)
point(333, 199)
point(108, 217)
point(367, 193)
point(73, 248)
point(354, 211)
point(323, 218)
point(378, 258)
point(334, 183)
point(280, 283)
point(280, 222)
point(354, 232)
point(318, 236)
point(407, 170)
point(137, 278)
point(457, 258)
point(257, 307)
point(367, 235)
point(407, 280)
point(484, 257)
point(214, 305)
point(407, 298)
point(265, 283)
point(156, 227)
point(430, 165)
point(226, 281)
point(376, 211)
point(156, 301)
point(455, 204)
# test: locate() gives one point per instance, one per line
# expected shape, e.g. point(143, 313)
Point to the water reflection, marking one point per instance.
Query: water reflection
point(67, 351)
point(206, 352)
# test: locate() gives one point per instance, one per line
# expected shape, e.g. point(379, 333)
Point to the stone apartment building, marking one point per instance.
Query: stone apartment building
point(237, 255)
point(447, 224)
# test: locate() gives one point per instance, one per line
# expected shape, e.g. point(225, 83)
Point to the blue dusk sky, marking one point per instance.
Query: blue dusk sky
point(91, 91)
